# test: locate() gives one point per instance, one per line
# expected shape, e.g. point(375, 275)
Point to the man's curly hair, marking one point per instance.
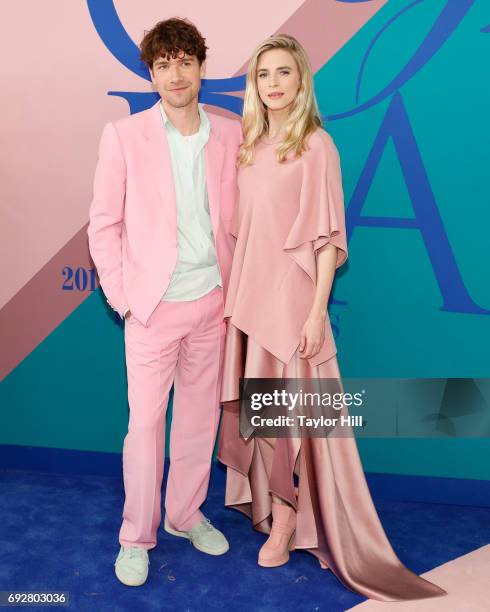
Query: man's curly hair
point(172, 38)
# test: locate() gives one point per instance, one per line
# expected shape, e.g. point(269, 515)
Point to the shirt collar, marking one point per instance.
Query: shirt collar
point(204, 126)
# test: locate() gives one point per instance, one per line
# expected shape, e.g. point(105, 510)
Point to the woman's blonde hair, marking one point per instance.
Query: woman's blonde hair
point(304, 116)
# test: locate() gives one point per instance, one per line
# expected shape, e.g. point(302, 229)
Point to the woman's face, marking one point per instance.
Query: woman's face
point(278, 79)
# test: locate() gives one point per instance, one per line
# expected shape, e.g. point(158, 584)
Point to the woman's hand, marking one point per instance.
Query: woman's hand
point(313, 332)
point(312, 335)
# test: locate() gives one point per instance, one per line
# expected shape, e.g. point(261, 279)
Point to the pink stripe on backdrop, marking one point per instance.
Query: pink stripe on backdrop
point(41, 305)
point(322, 26)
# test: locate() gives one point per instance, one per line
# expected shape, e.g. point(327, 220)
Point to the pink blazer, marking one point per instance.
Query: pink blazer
point(132, 228)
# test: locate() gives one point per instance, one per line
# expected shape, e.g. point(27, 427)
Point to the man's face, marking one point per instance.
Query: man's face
point(177, 80)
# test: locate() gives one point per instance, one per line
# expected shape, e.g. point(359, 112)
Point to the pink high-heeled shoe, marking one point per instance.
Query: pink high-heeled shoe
point(275, 551)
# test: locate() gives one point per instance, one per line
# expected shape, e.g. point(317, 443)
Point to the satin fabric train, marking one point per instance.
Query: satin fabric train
point(336, 518)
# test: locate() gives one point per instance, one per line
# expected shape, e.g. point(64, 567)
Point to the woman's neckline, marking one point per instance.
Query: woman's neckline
point(267, 140)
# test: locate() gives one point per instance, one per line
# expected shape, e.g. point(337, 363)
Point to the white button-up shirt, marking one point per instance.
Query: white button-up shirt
point(196, 272)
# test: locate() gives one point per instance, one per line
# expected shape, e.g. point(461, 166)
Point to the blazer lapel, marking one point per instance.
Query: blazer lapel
point(160, 163)
point(214, 153)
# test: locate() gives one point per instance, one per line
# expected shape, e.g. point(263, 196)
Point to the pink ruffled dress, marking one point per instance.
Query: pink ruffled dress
point(287, 212)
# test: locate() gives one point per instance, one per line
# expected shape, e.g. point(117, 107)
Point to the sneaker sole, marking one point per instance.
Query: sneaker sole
point(129, 582)
point(209, 551)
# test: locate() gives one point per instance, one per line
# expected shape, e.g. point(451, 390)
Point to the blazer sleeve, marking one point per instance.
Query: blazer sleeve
point(106, 218)
point(321, 216)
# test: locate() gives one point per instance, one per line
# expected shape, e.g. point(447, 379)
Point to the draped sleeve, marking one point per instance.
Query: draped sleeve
point(321, 216)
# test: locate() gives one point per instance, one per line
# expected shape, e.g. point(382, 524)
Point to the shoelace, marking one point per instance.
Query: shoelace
point(135, 553)
point(204, 525)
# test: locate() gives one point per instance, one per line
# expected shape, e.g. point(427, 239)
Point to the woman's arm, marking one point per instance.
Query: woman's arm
point(313, 332)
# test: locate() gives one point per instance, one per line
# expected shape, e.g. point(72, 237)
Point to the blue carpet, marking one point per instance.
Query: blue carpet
point(59, 532)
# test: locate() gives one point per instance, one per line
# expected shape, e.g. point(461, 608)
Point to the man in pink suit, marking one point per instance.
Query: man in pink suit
point(164, 193)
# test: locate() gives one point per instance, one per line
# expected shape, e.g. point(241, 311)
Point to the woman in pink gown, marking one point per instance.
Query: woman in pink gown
point(290, 235)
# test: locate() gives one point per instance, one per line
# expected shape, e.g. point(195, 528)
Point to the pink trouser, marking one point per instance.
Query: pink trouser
point(183, 343)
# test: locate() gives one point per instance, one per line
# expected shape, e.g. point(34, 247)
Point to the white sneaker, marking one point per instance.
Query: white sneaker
point(132, 565)
point(203, 536)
